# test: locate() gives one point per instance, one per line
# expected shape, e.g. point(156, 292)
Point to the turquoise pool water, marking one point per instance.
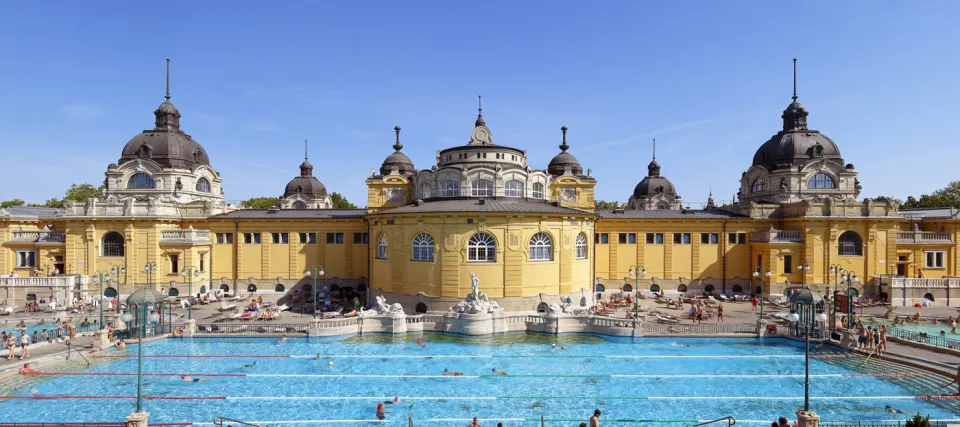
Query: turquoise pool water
point(665, 379)
point(926, 326)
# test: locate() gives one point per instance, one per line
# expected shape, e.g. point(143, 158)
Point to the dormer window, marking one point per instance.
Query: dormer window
point(758, 185)
point(821, 181)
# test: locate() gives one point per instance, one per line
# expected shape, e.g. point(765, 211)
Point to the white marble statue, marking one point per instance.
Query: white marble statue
point(476, 301)
point(383, 309)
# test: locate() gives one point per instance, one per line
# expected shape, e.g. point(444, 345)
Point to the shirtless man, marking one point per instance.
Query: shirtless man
point(496, 372)
point(595, 419)
point(449, 372)
point(27, 370)
point(189, 379)
point(893, 411)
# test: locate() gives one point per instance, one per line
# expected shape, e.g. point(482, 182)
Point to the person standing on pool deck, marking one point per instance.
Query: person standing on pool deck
point(719, 313)
point(956, 379)
point(595, 419)
point(24, 342)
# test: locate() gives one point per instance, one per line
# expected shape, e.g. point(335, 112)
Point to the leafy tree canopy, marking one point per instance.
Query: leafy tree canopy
point(340, 202)
point(605, 205)
point(11, 203)
point(261, 202)
point(946, 197)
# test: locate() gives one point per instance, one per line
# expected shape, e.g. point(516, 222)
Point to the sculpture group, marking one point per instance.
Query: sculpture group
point(476, 302)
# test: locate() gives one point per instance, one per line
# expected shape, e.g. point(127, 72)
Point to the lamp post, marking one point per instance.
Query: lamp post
point(149, 268)
point(104, 275)
point(142, 301)
point(756, 274)
point(314, 271)
point(804, 268)
point(641, 271)
point(838, 272)
point(190, 272)
point(803, 306)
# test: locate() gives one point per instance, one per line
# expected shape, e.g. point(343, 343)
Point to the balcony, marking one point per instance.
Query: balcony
point(777, 236)
point(185, 237)
point(923, 237)
point(38, 282)
point(38, 237)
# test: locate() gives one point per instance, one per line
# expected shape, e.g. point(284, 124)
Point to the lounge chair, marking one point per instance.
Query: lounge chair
point(235, 316)
point(332, 314)
point(224, 306)
point(247, 316)
point(283, 307)
point(662, 319)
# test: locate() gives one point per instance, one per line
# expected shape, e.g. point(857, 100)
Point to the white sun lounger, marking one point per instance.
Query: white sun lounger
point(225, 307)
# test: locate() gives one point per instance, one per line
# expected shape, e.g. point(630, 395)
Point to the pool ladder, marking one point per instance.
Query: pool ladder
point(730, 421)
point(218, 421)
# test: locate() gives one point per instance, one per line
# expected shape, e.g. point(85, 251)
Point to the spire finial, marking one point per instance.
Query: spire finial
point(304, 150)
point(711, 192)
point(654, 148)
point(168, 79)
point(794, 78)
point(479, 121)
point(397, 145)
point(563, 145)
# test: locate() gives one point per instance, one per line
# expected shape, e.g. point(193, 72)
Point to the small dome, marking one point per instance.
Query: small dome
point(397, 159)
point(308, 186)
point(653, 185)
point(564, 160)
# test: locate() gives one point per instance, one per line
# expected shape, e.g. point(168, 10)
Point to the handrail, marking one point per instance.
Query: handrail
point(730, 421)
point(218, 421)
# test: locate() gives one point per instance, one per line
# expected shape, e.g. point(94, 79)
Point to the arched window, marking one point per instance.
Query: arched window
point(663, 206)
point(449, 189)
point(421, 308)
point(654, 288)
point(423, 247)
point(758, 185)
point(112, 244)
point(299, 205)
point(821, 180)
point(481, 188)
point(225, 287)
point(203, 185)
point(173, 292)
point(382, 246)
point(928, 297)
point(627, 288)
point(482, 247)
point(581, 246)
point(203, 289)
point(737, 289)
point(513, 188)
point(709, 288)
point(109, 292)
point(542, 307)
point(538, 190)
point(251, 288)
point(279, 288)
point(583, 301)
point(682, 288)
point(599, 288)
point(541, 247)
point(141, 180)
point(849, 244)
point(425, 191)
point(758, 290)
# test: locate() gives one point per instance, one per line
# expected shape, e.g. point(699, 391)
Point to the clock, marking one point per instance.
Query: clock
point(568, 194)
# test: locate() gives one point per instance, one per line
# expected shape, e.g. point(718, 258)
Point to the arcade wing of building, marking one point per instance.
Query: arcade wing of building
point(486, 209)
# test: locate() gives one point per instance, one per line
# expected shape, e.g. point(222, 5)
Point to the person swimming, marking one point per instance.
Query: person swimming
point(496, 372)
point(449, 372)
point(252, 365)
point(330, 363)
point(27, 370)
point(391, 402)
point(190, 379)
point(381, 414)
point(893, 411)
point(282, 339)
point(421, 344)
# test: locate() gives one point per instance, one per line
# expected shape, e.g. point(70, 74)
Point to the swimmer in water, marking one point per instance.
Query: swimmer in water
point(420, 344)
point(252, 365)
point(282, 339)
point(330, 363)
point(676, 344)
point(391, 402)
point(449, 372)
point(893, 411)
point(189, 379)
point(496, 372)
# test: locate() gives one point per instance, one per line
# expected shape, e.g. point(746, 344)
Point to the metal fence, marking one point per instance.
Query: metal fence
point(272, 328)
point(924, 338)
point(704, 329)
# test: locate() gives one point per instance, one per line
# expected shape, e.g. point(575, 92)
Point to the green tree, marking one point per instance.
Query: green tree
point(11, 203)
point(340, 202)
point(883, 199)
point(81, 192)
point(605, 205)
point(261, 202)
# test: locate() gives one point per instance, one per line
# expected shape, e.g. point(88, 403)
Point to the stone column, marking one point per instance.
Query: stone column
point(100, 340)
point(314, 330)
point(808, 419)
point(189, 328)
point(399, 323)
point(761, 328)
point(138, 419)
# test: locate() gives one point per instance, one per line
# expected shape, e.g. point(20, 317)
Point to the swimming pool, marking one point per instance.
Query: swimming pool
point(926, 326)
point(665, 379)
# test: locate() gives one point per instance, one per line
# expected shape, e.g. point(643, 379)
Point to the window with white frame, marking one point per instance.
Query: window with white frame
point(203, 185)
point(538, 190)
point(581, 246)
point(935, 259)
point(481, 188)
point(450, 188)
point(541, 247)
point(513, 188)
point(482, 247)
point(422, 247)
point(821, 180)
point(26, 259)
point(382, 246)
point(425, 191)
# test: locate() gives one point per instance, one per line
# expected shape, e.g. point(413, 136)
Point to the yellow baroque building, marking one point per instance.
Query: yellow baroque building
point(527, 234)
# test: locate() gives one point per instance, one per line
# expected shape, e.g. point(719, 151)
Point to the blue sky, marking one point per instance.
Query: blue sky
point(254, 79)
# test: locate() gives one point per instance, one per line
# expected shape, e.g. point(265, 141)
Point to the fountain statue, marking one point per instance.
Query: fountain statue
point(383, 309)
point(476, 302)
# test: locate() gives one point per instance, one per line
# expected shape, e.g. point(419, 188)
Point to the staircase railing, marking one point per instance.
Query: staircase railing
point(218, 421)
point(730, 421)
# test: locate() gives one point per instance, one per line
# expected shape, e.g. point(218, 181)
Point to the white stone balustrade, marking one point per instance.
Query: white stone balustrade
point(923, 237)
point(777, 236)
point(188, 236)
point(38, 236)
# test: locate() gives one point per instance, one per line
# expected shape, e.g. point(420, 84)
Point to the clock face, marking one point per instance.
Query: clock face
point(568, 194)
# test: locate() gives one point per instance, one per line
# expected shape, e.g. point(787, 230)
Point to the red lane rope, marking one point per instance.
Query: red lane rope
point(187, 356)
point(62, 396)
point(830, 356)
point(124, 374)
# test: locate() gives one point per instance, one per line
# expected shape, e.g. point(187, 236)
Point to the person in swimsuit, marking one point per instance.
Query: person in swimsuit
point(391, 402)
point(449, 372)
point(595, 419)
point(252, 365)
point(475, 423)
point(282, 339)
point(27, 370)
point(720, 313)
point(496, 372)
point(189, 379)
point(893, 411)
point(380, 413)
point(421, 344)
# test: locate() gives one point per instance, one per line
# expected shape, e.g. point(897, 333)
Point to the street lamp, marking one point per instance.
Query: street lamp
point(314, 271)
point(641, 271)
point(806, 306)
point(804, 268)
point(103, 275)
point(143, 302)
point(838, 272)
point(756, 275)
point(149, 268)
point(190, 272)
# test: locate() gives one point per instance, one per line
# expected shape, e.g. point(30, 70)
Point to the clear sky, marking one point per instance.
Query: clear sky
point(254, 79)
